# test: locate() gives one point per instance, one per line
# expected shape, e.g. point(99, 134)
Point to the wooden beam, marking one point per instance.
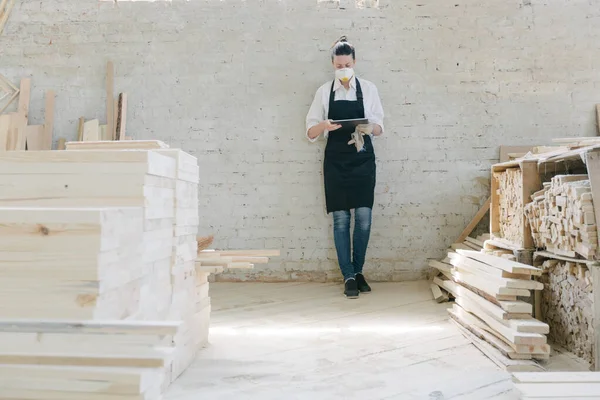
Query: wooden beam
point(121, 117)
point(80, 129)
point(4, 16)
point(110, 108)
point(476, 219)
point(46, 143)
point(598, 118)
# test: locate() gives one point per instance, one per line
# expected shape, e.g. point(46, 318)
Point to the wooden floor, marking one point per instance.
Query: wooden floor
point(306, 341)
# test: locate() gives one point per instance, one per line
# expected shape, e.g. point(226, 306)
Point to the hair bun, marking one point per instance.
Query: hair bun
point(343, 39)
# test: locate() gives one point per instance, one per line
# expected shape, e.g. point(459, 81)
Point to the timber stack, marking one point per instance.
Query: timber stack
point(486, 308)
point(442, 269)
point(112, 237)
point(562, 217)
point(567, 306)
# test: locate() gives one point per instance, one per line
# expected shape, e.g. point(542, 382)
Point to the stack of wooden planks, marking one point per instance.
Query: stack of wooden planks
point(510, 189)
point(15, 131)
point(562, 217)
point(486, 307)
point(164, 285)
point(567, 306)
point(86, 262)
point(558, 385)
point(242, 259)
point(82, 359)
point(442, 269)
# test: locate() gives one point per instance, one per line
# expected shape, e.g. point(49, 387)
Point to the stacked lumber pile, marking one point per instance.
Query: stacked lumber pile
point(79, 359)
point(142, 179)
point(86, 263)
point(510, 202)
point(567, 306)
point(442, 269)
point(232, 259)
point(486, 307)
point(558, 385)
point(562, 217)
point(15, 131)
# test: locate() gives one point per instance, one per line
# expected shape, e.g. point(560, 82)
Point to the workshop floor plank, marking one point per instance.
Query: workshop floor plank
point(306, 341)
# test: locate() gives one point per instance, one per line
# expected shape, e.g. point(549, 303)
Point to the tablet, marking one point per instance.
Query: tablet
point(351, 123)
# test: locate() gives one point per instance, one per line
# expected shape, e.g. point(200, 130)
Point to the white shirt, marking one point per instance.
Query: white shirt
point(319, 108)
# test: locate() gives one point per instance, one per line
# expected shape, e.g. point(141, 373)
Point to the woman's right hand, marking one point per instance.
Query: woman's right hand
point(328, 126)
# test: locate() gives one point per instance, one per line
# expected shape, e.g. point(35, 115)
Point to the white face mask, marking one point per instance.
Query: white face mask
point(344, 74)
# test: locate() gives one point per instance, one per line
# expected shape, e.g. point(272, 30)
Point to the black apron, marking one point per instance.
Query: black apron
point(349, 175)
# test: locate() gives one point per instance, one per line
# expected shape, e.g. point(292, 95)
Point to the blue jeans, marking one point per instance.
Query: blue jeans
point(350, 265)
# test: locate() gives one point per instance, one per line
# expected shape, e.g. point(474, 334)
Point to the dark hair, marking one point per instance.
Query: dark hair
point(342, 48)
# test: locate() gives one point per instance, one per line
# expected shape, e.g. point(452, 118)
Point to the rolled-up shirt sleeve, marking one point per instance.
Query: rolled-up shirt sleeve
point(316, 113)
point(374, 113)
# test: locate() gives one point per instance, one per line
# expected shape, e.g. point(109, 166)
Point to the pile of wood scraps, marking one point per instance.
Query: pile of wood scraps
point(116, 116)
point(15, 132)
point(486, 307)
point(79, 359)
point(562, 217)
point(558, 385)
point(443, 269)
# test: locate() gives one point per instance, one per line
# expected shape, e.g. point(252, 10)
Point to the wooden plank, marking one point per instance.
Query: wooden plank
point(557, 377)
point(110, 98)
point(440, 266)
point(121, 117)
point(250, 253)
point(497, 357)
point(559, 389)
point(34, 135)
point(91, 327)
point(5, 125)
point(80, 129)
point(506, 150)
point(437, 293)
point(509, 266)
point(598, 118)
point(476, 219)
point(508, 333)
point(46, 142)
point(61, 144)
point(4, 16)
point(592, 160)
point(117, 145)
point(16, 139)
point(91, 130)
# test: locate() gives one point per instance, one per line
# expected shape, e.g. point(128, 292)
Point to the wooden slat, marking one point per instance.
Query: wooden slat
point(476, 219)
point(34, 135)
point(121, 117)
point(80, 129)
point(110, 99)
point(6, 14)
point(46, 142)
point(5, 125)
point(91, 130)
point(509, 266)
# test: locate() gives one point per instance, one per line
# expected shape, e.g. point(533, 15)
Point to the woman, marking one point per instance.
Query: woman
point(349, 167)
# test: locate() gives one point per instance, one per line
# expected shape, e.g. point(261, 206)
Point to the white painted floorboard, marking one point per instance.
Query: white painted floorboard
point(306, 341)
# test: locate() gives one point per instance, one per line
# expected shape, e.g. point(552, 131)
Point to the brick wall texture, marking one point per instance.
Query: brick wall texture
point(231, 81)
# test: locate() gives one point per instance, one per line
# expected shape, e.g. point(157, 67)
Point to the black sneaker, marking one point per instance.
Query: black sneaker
point(351, 289)
point(362, 284)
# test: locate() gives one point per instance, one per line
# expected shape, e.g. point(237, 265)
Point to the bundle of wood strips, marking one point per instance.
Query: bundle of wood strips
point(486, 290)
point(510, 193)
point(562, 217)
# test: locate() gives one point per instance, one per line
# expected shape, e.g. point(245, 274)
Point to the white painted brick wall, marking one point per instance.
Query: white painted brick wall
point(231, 82)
